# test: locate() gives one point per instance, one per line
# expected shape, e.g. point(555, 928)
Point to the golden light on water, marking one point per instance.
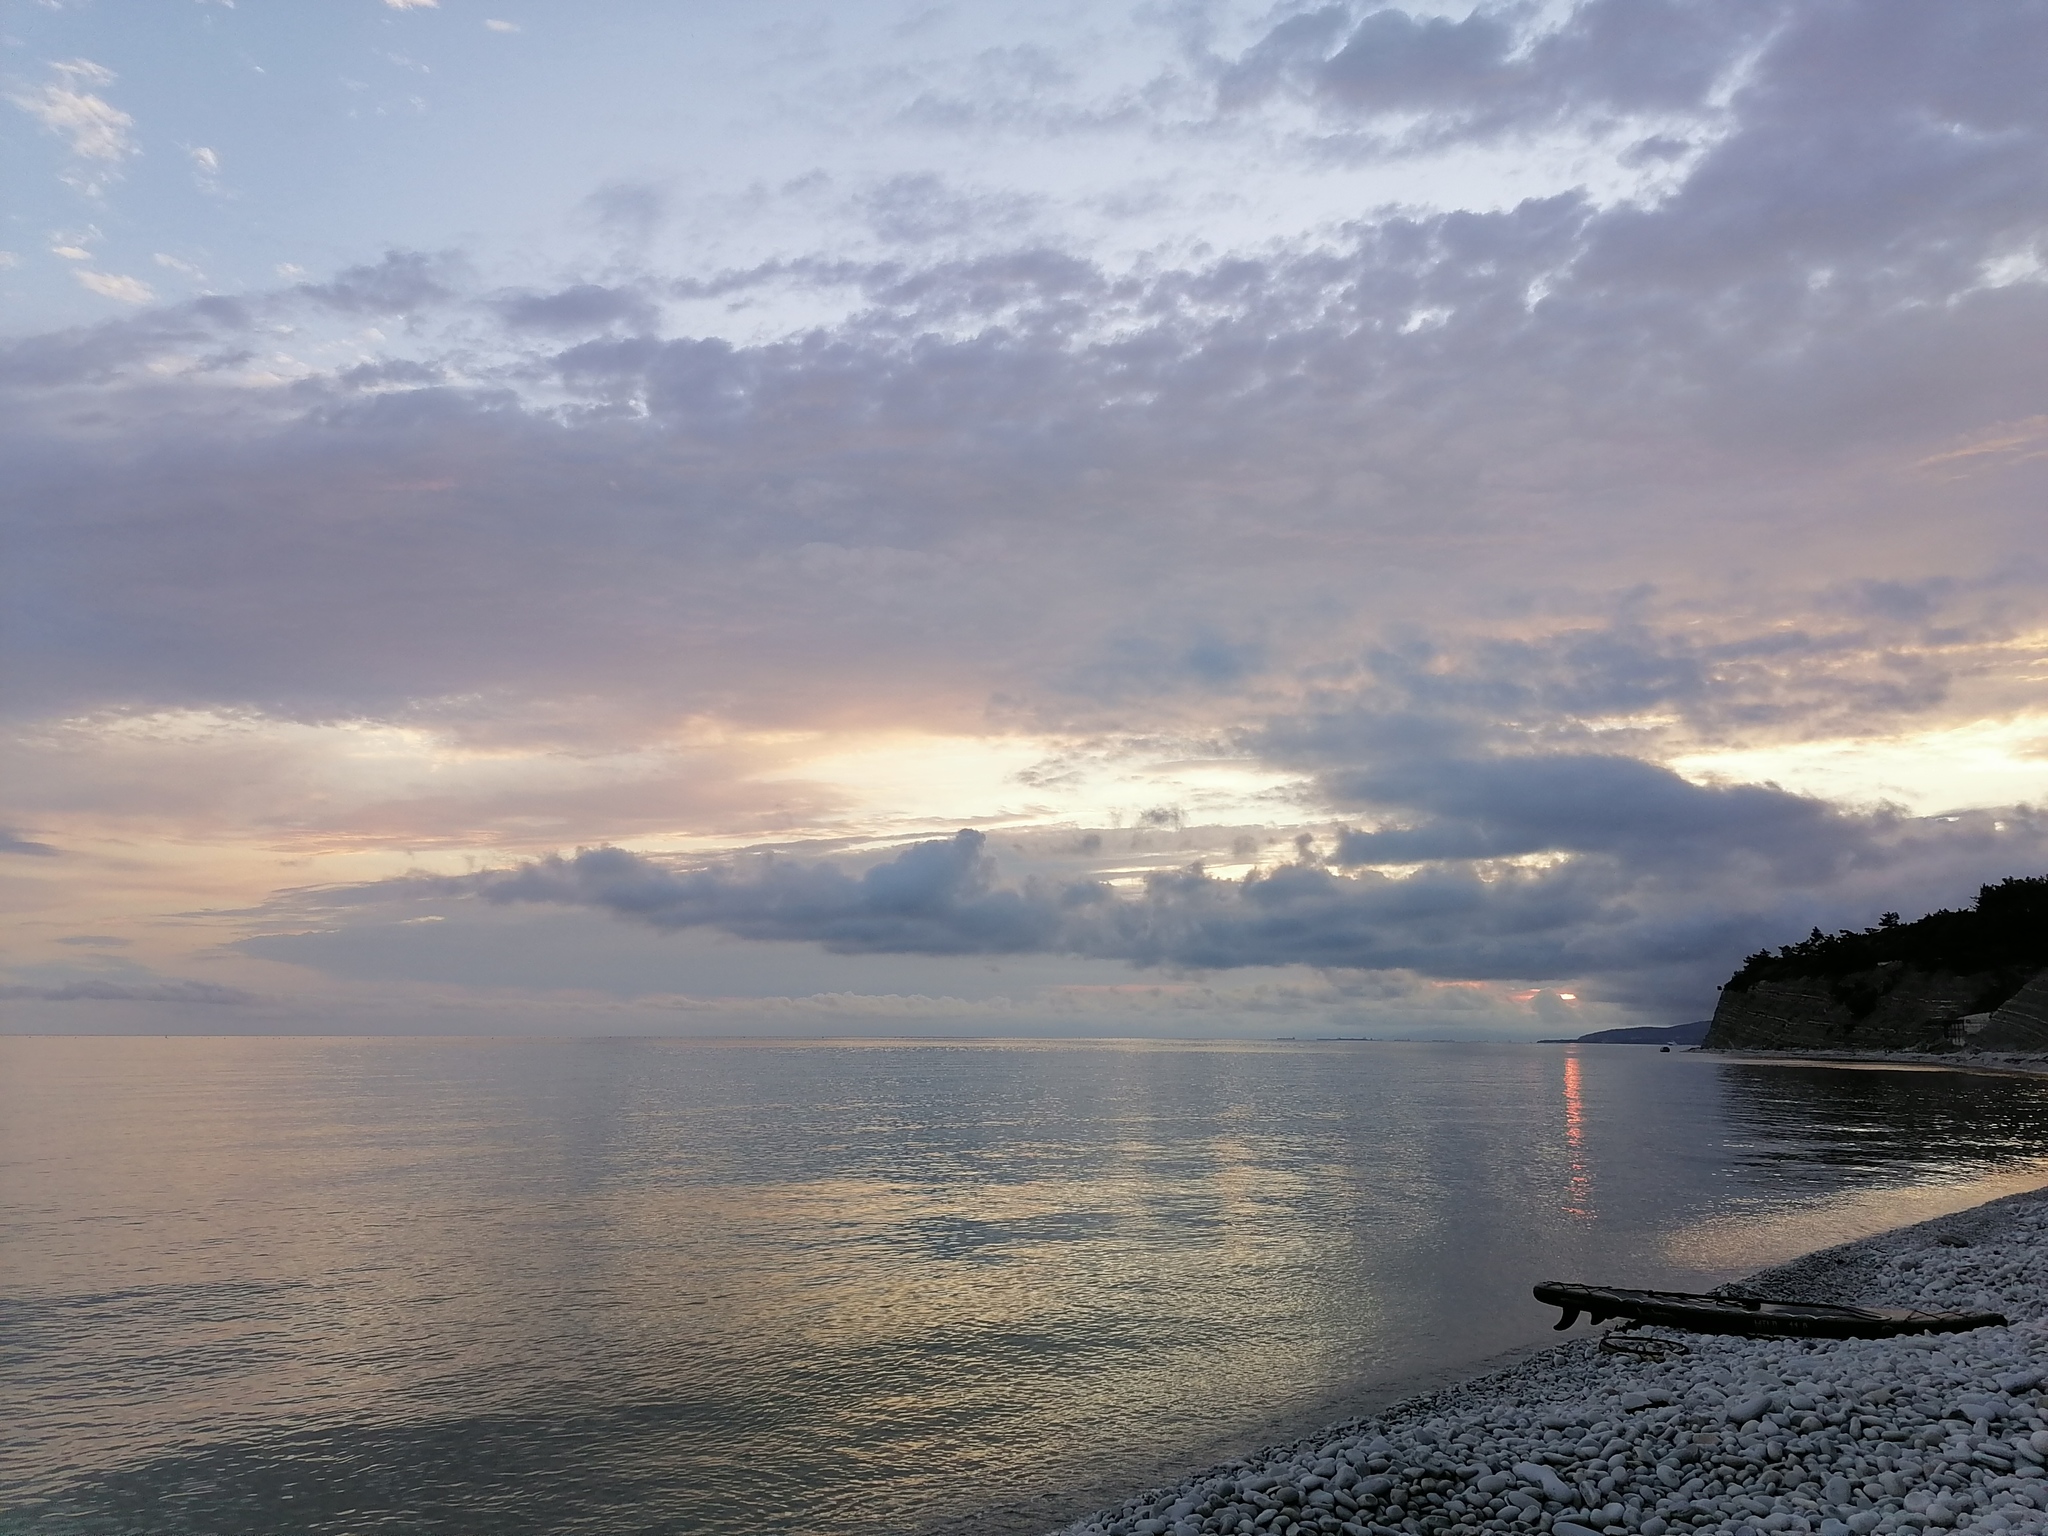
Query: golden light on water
point(1752, 1239)
point(1579, 1184)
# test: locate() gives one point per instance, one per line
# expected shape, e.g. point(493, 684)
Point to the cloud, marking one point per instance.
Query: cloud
point(579, 309)
point(1108, 472)
point(1460, 526)
point(1511, 807)
point(93, 128)
point(205, 167)
point(11, 842)
point(935, 898)
point(111, 285)
point(202, 992)
point(402, 283)
point(104, 353)
point(628, 210)
point(1654, 913)
point(1427, 80)
point(923, 209)
point(413, 5)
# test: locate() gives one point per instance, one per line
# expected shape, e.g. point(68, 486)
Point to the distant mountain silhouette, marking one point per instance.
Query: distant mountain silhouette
point(1642, 1034)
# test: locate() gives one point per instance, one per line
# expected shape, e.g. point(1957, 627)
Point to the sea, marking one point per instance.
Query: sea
point(441, 1285)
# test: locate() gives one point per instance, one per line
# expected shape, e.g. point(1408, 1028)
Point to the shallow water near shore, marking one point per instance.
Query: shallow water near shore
point(677, 1286)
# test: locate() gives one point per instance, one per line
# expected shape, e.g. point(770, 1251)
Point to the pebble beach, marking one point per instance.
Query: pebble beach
point(1838, 1438)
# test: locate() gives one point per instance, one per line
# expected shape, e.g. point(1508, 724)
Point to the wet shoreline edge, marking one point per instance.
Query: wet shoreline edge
point(1861, 1269)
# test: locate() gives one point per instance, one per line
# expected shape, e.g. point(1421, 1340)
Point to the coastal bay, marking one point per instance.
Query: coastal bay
point(878, 768)
point(268, 1285)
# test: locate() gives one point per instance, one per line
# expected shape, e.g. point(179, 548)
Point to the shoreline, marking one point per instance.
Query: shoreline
point(1054, 1512)
point(1636, 1448)
point(1999, 1063)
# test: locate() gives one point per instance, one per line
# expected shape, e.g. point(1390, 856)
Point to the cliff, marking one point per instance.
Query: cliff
point(1911, 1010)
point(2022, 1023)
point(1902, 986)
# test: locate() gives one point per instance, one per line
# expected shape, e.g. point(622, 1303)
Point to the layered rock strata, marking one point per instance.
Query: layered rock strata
point(2021, 1023)
point(1889, 1007)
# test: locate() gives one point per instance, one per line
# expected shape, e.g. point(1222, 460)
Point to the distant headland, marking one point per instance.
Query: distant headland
point(1975, 977)
point(1642, 1034)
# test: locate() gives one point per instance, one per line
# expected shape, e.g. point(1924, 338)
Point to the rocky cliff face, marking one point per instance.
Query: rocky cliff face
point(2021, 1024)
point(1891, 1006)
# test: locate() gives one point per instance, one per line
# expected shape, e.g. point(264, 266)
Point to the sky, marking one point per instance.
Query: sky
point(1187, 519)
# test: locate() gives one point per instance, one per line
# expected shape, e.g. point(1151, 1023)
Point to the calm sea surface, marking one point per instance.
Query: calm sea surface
point(270, 1286)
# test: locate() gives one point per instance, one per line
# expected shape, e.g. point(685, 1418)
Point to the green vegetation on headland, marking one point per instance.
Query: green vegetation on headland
point(1978, 975)
point(2006, 927)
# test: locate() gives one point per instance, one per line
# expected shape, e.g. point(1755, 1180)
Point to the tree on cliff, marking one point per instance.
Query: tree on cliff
point(2005, 928)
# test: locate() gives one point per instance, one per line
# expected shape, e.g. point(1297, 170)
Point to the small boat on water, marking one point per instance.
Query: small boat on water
point(1755, 1317)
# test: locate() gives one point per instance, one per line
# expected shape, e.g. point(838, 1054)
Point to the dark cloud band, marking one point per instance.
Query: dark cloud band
point(1644, 918)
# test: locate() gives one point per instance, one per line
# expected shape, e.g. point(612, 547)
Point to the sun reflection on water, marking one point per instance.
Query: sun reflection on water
point(1579, 1167)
